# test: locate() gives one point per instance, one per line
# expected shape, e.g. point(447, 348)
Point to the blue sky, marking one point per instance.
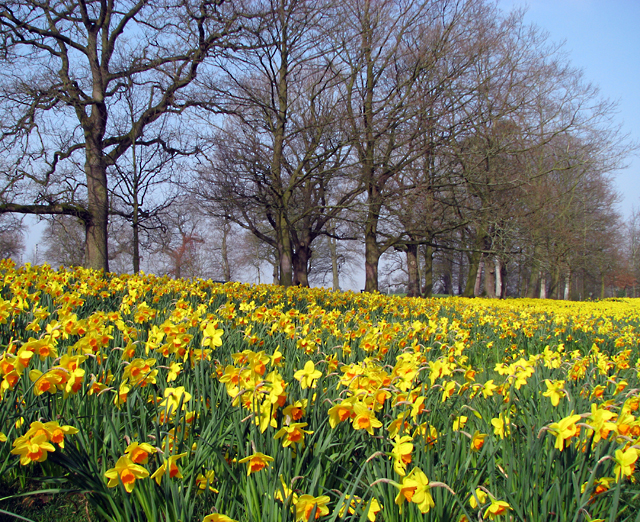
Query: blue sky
point(602, 37)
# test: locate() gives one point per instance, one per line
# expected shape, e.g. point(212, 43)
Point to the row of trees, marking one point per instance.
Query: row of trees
point(443, 133)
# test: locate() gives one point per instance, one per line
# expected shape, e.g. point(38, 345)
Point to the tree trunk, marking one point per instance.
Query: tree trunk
point(333, 248)
point(301, 265)
point(567, 286)
point(136, 242)
point(97, 252)
point(285, 254)
point(286, 265)
point(135, 217)
point(555, 282)
point(474, 270)
point(499, 283)
point(371, 248)
point(503, 278)
point(534, 280)
point(543, 286)
point(413, 286)
point(490, 278)
point(478, 283)
point(427, 289)
point(371, 260)
point(460, 277)
point(226, 267)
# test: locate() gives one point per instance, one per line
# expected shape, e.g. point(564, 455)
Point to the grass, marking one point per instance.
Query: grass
point(39, 507)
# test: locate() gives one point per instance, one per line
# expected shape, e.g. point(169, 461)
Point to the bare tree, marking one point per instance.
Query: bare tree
point(279, 158)
point(65, 69)
point(11, 238)
point(387, 50)
point(64, 240)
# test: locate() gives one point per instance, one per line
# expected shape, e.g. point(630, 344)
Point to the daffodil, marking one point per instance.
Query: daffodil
point(477, 441)
point(488, 388)
point(296, 410)
point(127, 472)
point(415, 488)
point(212, 336)
point(564, 430)
point(496, 508)
point(625, 462)
point(341, 412)
point(307, 376)
point(139, 452)
point(204, 481)
point(174, 370)
point(364, 418)
point(174, 398)
point(217, 517)
point(292, 434)
point(373, 507)
point(256, 462)
point(169, 466)
point(306, 504)
point(401, 454)
point(501, 426)
point(459, 422)
point(555, 391)
point(32, 449)
point(478, 498)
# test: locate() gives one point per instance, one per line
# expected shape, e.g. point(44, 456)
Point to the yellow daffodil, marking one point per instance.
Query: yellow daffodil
point(306, 504)
point(373, 508)
point(625, 462)
point(478, 498)
point(127, 472)
point(139, 452)
point(292, 434)
point(496, 508)
point(501, 426)
point(401, 454)
point(564, 430)
point(415, 488)
point(32, 449)
point(169, 466)
point(459, 422)
point(216, 517)
point(212, 336)
point(307, 376)
point(555, 391)
point(364, 418)
point(256, 462)
point(477, 441)
point(205, 481)
point(341, 412)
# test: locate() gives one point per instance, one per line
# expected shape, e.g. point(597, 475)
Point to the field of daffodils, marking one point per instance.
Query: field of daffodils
point(175, 400)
